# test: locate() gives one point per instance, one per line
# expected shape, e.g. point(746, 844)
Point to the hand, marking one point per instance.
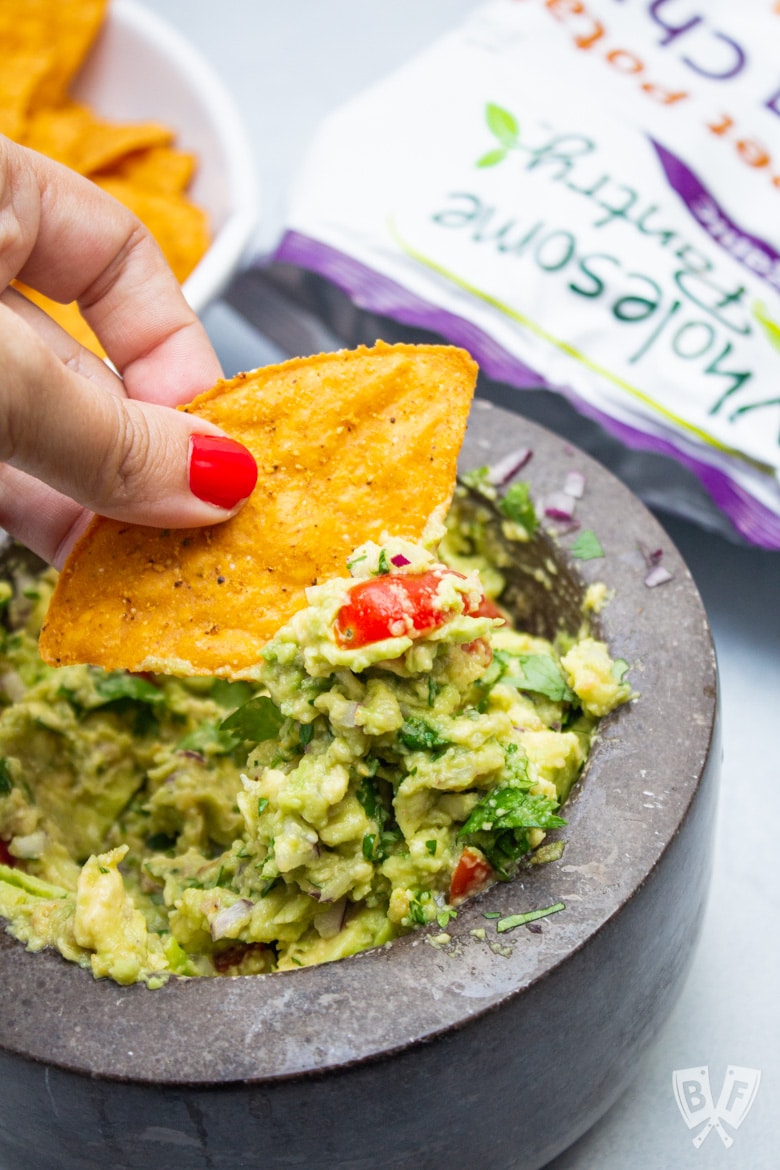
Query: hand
point(74, 437)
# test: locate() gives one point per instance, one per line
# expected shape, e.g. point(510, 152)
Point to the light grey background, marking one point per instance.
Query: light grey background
point(287, 64)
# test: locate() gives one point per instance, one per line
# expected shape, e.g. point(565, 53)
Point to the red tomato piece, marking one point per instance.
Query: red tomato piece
point(472, 873)
point(394, 605)
point(488, 608)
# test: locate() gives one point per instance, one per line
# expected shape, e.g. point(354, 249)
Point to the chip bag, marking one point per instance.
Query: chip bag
point(349, 446)
point(587, 196)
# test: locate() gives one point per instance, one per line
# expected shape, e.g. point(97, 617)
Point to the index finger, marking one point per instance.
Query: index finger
point(66, 237)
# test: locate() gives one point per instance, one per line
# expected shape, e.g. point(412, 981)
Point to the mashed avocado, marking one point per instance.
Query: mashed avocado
point(403, 747)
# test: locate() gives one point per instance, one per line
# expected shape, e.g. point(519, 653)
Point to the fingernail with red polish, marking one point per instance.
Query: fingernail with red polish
point(221, 471)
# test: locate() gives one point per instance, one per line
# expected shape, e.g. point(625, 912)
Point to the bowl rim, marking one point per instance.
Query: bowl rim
point(409, 992)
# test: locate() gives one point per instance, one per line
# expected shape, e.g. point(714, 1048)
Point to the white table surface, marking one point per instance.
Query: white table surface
point(286, 64)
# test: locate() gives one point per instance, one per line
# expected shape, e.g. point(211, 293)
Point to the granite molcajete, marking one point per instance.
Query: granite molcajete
point(464, 1054)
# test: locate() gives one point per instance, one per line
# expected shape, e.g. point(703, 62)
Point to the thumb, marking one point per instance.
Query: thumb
point(133, 461)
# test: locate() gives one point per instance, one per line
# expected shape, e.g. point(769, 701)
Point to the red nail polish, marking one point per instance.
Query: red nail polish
point(221, 471)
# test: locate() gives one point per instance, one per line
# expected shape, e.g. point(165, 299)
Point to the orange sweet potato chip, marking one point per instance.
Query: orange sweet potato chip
point(64, 30)
point(163, 169)
point(350, 446)
point(72, 135)
point(44, 44)
point(179, 226)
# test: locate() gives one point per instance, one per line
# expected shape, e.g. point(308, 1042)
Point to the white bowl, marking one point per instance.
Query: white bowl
point(142, 69)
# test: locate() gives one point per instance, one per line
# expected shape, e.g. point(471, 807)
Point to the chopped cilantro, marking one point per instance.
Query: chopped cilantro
point(479, 479)
point(499, 825)
point(6, 783)
point(230, 693)
point(518, 506)
point(431, 846)
point(383, 564)
point(209, 740)
point(262, 805)
point(515, 920)
point(369, 846)
point(417, 907)
point(541, 674)
point(116, 685)
point(255, 721)
point(587, 546)
point(418, 735)
point(444, 916)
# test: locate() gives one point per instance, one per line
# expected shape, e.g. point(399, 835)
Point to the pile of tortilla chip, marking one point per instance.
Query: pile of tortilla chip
point(45, 43)
point(350, 446)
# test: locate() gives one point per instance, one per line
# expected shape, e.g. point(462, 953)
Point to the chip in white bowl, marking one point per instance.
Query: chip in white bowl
point(141, 68)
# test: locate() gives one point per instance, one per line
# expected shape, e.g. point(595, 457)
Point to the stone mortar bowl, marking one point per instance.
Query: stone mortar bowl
point(464, 1055)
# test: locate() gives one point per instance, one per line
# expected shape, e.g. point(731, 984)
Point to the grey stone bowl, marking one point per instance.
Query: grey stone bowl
point(493, 1052)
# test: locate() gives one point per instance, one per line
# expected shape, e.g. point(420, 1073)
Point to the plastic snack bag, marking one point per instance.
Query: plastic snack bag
point(586, 195)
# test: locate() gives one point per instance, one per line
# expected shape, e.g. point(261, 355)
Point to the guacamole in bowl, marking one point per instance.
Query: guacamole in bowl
point(402, 746)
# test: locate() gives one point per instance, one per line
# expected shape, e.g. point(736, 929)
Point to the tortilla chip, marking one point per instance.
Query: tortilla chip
point(68, 317)
point(161, 169)
point(63, 29)
point(350, 446)
point(179, 227)
point(20, 78)
point(45, 43)
point(72, 135)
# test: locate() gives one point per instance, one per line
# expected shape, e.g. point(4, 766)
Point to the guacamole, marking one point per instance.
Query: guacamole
point(403, 746)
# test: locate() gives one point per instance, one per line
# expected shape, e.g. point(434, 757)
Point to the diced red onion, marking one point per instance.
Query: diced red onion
point(658, 575)
point(574, 484)
point(503, 470)
point(230, 918)
point(189, 754)
point(560, 506)
point(349, 718)
point(329, 922)
point(652, 555)
point(399, 560)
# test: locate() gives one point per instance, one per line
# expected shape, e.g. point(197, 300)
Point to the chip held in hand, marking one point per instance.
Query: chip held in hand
point(349, 446)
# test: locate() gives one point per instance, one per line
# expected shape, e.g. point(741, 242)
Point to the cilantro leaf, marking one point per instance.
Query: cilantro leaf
point(118, 685)
point(515, 920)
point(418, 735)
point(255, 721)
point(587, 546)
point(499, 825)
point(208, 740)
point(230, 693)
point(511, 808)
point(516, 504)
point(541, 674)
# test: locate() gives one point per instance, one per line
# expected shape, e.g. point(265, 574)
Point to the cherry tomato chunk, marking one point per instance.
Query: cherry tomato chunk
point(472, 873)
point(394, 605)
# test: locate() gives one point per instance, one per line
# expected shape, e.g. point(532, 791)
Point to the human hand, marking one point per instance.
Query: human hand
point(74, 437)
